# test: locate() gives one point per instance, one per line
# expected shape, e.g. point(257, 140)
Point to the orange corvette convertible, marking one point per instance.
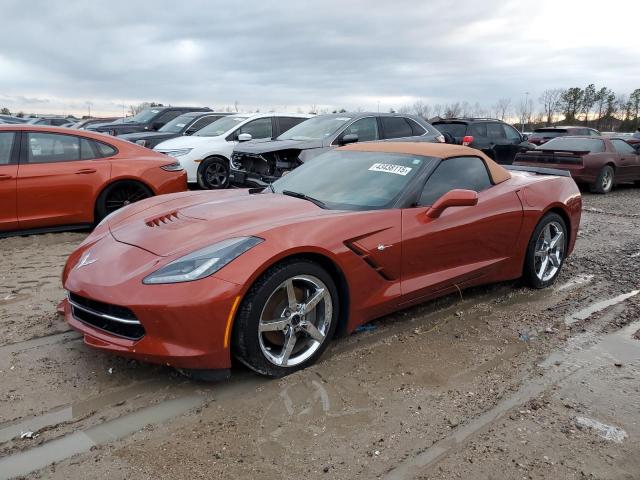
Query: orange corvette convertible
point(269, 275)
point(59, 179)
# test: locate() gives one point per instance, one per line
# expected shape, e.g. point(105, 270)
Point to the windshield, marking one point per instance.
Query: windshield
point(573, 144)
point(350, 180)
point(541, 132)
point(220, 127)
point(143, 117)
point(178, 124)
point(453, 129)
point(317, 128)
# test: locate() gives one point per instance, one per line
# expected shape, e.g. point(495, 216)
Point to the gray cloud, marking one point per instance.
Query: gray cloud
point(275, 54)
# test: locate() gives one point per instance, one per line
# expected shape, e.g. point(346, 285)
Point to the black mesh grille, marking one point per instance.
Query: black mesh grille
point(126, 330)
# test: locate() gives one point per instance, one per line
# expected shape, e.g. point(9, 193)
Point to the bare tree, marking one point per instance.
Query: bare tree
point(452, 110)
point(550, 101)
point(524, 110)
point(437, 110)
point(235, 106)
point(420, 109)
point(502, 108)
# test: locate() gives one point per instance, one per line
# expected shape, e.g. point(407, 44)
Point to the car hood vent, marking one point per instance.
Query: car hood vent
point(165, 219)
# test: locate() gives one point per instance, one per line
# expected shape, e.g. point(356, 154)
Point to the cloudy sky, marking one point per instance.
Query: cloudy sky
point(55, 56)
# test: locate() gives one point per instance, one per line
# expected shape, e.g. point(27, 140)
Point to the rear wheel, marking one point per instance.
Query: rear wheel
point(287, 319)
point(546, 251)
point(120, 195)
point(213, 174)
point(605, 180)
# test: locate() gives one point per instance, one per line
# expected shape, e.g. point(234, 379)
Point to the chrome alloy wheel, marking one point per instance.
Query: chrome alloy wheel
point(549, 251)
point(607, 180)
point(295, 320)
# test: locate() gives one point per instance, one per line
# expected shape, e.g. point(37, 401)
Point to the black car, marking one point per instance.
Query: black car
point(260, 162)
point(495, 138)
point(150, 119)
point(185, 124)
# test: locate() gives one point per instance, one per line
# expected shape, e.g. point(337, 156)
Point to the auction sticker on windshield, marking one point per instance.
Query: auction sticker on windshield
point(390, 168)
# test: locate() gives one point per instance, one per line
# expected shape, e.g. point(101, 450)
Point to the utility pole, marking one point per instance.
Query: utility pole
point(524, 110)
point(89, 107)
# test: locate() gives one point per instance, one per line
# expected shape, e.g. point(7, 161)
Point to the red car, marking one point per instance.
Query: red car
point(270, 275)
point(58, 179)
point(597, 162)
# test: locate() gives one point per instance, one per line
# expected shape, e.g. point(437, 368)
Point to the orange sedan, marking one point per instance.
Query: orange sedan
point(60, 179)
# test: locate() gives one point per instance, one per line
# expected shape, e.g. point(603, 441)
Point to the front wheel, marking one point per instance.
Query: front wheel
point(604, 182)
point(287, 319)
point(213, 174)
point(546, 251)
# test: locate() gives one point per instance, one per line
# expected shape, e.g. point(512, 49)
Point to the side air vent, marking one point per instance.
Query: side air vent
point(364, 255)
point(162, 220)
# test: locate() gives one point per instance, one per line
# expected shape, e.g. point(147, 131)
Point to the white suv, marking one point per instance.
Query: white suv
point(205, 154)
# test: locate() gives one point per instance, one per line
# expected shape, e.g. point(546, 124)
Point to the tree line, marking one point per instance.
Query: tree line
point(599, 108)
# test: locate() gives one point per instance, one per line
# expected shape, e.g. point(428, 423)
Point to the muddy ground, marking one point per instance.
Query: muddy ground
point(499, 382)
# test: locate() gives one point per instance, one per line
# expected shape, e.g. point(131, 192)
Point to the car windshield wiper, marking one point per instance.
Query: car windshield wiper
point(319, 203)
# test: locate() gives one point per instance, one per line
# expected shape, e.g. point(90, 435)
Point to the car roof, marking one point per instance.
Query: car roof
point(467, 119)
point(271, 114)
point(438, 150)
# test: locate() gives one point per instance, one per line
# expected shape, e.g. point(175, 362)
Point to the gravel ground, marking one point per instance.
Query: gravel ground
point(498, 382)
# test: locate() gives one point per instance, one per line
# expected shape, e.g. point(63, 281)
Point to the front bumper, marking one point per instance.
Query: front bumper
point(184, 325)
point(248, 179)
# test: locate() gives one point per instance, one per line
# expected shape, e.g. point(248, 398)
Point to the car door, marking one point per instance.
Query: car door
point(365, 128)
point(9, 143)
point(464, 244)
point(395, 127)
point(501, 145)
point(59, 177)
point(628, 167)
point(285, 123)
point(514, 143)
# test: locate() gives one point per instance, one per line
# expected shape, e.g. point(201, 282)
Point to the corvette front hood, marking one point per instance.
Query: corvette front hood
point(185, 225)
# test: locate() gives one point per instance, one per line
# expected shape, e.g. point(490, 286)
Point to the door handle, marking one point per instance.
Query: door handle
point(5, 176)
point(85, 171)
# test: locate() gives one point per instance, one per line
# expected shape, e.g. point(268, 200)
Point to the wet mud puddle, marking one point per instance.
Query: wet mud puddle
point(583, 354)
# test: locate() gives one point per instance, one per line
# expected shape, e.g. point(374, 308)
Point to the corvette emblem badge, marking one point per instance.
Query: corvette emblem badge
point(85, 260)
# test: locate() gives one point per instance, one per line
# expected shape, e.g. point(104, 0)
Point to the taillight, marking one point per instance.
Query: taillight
point(467, 140)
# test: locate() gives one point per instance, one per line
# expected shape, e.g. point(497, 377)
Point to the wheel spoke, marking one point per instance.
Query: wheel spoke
point(543, 267)
point(547, 234)
point(311, 330)
point(556, 239)
point(313, 301)
point(291, 294)
point(555, 259)
point(290, 342)
point(540, 253)
point(273, 325)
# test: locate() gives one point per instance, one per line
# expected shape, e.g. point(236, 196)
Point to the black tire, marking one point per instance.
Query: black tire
point(118, 195)
point(213, 174)
point(530, 275)
point(246, 337)
point(605, 181)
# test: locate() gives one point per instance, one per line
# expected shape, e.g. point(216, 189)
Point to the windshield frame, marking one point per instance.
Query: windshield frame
point(403, 199)
point(239, 121)
point(190, 117)
point(328, 136)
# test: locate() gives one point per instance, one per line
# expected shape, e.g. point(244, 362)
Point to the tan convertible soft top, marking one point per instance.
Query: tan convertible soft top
point(439, 150)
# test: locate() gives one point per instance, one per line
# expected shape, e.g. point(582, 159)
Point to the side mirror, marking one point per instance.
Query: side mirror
point(190, 131)
point(349, 138)
point(453, 198)
point(244, 137)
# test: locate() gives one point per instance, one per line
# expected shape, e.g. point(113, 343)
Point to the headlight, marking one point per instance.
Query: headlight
point(178, 153)
point(142, 143)
point(172, 167)
point(203, 262)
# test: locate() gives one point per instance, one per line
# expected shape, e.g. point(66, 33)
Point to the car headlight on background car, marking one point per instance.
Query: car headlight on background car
point(178, 153)
point(172, 167)
point(203, 262)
